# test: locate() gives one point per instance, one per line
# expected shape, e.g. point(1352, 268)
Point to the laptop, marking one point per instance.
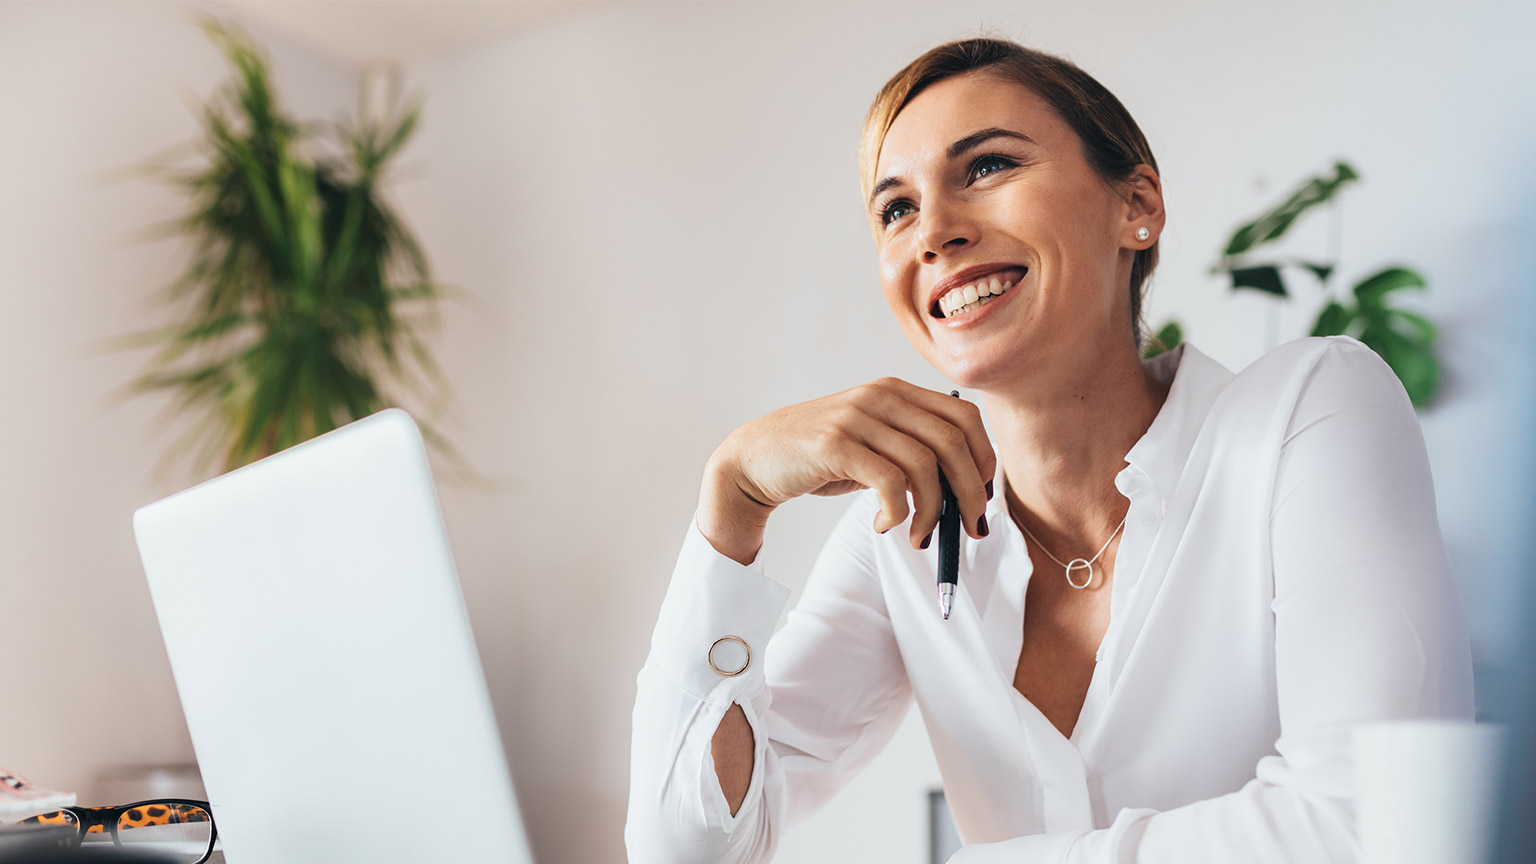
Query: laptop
point(324, 659)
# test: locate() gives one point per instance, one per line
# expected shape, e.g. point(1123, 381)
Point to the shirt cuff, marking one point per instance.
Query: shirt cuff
point(713, 597)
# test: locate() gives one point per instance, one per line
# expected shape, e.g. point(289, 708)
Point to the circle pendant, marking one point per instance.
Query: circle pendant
point(1080, 564)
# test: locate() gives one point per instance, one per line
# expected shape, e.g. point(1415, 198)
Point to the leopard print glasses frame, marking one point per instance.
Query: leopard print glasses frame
point(141, 825)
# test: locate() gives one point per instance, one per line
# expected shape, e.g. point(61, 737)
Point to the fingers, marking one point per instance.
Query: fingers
point(889, 436)
point(919, 467)
point(952, 430)
point(852, 457)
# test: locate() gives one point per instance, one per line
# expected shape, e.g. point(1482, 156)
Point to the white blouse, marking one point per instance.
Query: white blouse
point(1281, 578)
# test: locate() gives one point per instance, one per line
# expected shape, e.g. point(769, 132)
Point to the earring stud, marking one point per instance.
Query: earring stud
point(1142, 233)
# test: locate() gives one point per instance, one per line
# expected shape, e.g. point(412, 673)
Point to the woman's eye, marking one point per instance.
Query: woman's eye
point(892, 211)
point(998, 162)
point(990, 159)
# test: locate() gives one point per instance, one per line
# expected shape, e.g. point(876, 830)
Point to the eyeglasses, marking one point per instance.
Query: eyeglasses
point(178, 828)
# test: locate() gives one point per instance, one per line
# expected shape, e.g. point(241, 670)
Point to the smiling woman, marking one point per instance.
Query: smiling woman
point(1269, 571)
point(1109, 142)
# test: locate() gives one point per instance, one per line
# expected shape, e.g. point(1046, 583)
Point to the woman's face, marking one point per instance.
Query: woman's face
point(982, 176)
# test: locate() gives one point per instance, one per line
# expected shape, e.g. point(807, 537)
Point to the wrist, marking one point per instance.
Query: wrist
point(730, 519)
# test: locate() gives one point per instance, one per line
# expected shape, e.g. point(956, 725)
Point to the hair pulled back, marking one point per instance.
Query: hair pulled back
point(1113, 144)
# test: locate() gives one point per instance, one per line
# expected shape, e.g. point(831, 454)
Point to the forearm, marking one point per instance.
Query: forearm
point(677, 813)
point(734, 525)
point(721, 762)
point(677, 809)
point(732, 750)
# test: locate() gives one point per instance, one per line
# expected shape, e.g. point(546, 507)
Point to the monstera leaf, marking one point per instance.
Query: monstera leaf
point(1271, 226)
point(1404, 339)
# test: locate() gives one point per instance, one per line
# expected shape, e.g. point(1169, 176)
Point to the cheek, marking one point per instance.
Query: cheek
point(895, 279)
point(895, 300)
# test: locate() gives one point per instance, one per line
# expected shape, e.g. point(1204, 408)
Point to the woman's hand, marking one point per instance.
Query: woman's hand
point(888, 435)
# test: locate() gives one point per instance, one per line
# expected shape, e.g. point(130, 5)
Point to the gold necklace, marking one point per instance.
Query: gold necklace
point(1077, 563)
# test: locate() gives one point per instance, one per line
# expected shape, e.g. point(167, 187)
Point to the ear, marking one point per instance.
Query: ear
point(1142, 193)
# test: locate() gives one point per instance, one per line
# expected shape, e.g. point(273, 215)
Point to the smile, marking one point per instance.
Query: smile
point(968, 298)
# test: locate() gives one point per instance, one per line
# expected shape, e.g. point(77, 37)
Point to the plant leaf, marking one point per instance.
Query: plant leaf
point(1370, 292)
point(1423, 328)
point(1333, 320)
point(1412, 361)
point(291, 304)
point(1273, 224)
point(1323, 271)
point(1165, 339)
point(1265, 278)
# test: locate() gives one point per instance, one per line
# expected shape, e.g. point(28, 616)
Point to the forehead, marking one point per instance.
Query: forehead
point(958, 106)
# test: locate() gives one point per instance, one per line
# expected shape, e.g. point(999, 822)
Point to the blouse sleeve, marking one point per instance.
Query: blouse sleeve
point(1367, 627)
point(823, 697)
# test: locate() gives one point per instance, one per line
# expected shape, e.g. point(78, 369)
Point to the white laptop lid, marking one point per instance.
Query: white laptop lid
point(324, 659)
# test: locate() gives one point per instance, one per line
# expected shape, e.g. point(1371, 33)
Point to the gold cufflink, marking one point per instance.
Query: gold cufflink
point(744, 646)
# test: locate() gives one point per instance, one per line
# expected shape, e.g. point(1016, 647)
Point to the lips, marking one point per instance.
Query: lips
point(1006, 272)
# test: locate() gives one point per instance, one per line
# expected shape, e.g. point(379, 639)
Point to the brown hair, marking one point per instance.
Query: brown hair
point(1113, 144)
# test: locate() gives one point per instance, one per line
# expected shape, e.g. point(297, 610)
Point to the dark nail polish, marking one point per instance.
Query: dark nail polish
point(927, 540)
point(989, 490)
point(981, 525)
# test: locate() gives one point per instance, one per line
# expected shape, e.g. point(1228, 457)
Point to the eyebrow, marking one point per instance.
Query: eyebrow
point(956, 150)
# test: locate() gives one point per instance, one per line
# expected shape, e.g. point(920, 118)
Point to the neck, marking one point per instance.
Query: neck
point(1061, 441)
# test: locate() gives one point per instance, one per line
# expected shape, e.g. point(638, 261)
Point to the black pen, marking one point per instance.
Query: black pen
point(949, 543)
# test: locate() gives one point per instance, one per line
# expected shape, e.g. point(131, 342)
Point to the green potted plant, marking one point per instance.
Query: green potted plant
point(296, 305)
point(1404, 339)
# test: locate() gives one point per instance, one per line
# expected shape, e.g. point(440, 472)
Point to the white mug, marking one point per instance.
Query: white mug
point(1427, 791)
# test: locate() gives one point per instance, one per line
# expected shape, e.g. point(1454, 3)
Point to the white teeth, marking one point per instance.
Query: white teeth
point(962, 300)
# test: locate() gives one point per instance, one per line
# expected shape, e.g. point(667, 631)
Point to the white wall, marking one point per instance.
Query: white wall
point(87, 89)
point(654, 209)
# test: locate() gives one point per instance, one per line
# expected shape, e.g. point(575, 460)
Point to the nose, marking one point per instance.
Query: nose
point(946, 228)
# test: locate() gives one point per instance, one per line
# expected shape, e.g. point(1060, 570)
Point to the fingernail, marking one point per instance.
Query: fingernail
point(927, 540)
point(989, 490)
point(981, 525)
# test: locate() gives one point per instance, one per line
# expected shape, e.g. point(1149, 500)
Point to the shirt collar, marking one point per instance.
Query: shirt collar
point(1196, 382)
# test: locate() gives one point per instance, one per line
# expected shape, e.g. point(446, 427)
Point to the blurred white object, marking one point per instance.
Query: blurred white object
point(1426, 791)
point(18, 795)
point(324, 659)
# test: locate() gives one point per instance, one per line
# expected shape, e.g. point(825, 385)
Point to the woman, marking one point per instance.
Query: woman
point(1264, 567)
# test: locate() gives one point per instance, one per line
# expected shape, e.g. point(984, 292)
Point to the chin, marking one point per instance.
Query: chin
point(978, 371)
